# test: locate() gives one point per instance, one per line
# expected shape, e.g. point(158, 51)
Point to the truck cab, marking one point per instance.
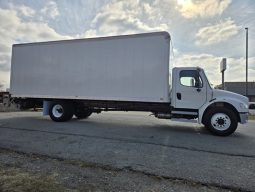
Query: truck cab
point(192, 96)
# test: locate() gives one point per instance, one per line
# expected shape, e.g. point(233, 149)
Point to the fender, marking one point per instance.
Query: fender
point(231, 101)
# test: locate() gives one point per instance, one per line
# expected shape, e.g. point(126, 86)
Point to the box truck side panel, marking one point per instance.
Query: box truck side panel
point(122, 68)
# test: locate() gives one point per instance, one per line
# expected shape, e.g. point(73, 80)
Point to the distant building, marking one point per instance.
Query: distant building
point(239, 87)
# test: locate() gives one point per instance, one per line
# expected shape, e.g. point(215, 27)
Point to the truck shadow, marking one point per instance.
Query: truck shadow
point(111, 125)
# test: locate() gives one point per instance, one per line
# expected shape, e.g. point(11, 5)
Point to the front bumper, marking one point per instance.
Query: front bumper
point(244, 118)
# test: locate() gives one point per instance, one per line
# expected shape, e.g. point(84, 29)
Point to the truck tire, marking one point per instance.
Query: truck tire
point(221, 121)
point(61, 111)
point(82, 114)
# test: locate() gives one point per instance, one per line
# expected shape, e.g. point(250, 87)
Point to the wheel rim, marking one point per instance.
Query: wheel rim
point(220, 121)
point(57, 111)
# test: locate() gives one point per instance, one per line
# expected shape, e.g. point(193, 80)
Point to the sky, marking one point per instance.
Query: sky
point(202, 31)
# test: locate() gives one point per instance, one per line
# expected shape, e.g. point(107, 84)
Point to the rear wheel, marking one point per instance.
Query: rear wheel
point(82, 114)
point(221, 121)
point(61, 111)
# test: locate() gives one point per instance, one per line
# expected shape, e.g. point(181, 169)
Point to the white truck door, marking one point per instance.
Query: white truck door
point(190, 89)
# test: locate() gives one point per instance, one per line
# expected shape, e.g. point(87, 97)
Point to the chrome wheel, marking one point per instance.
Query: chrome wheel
point(220, 121)
point(57, 110)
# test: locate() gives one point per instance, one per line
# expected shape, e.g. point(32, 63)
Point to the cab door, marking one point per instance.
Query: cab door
point(190, 89)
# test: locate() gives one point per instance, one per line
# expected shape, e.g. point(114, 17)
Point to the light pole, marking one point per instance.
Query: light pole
point(246, 83)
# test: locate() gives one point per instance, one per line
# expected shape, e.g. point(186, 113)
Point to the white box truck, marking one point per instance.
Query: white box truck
point(120, 73)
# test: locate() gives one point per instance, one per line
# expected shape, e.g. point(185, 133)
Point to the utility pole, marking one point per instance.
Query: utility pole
point(246, 82)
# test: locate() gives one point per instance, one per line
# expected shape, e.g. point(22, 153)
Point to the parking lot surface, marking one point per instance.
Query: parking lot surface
point(139, 142)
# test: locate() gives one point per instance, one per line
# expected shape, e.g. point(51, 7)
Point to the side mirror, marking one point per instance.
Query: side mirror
point(192, 82)
point(198, 83)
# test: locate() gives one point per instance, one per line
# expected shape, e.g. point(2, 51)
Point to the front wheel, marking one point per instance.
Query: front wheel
point(221, 121)
point(61, 111)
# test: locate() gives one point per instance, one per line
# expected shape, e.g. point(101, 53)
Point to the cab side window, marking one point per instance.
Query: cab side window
point(191, 78)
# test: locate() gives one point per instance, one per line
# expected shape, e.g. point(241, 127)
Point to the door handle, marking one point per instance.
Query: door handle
point(179, 96)
point(198, 90)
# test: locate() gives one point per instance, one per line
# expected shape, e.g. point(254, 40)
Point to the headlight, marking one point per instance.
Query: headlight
point(243, 106)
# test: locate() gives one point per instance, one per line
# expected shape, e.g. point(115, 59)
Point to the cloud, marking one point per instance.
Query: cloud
point(201, 8)
point(206, 61)
point(26, 11)
point(236, 69)
point(23, 10)
point(90, 33)
point(50, 10)
point(217, 33)
point(4, 80)
point(15, 30)
point(122, 17)
point(211, 64)
point(4, 61)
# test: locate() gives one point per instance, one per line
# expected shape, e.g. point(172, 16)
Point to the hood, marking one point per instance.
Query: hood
point(217, 93)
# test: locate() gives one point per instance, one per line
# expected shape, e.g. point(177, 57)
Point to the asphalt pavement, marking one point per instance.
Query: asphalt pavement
point(139, 142)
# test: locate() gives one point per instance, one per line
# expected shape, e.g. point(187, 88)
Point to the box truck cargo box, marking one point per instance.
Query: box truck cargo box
point(124, 68)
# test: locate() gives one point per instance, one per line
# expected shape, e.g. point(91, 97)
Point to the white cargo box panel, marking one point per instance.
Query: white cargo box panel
point(119, 68)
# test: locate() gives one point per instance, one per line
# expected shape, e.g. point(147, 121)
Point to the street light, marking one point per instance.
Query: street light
point(246, 83)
